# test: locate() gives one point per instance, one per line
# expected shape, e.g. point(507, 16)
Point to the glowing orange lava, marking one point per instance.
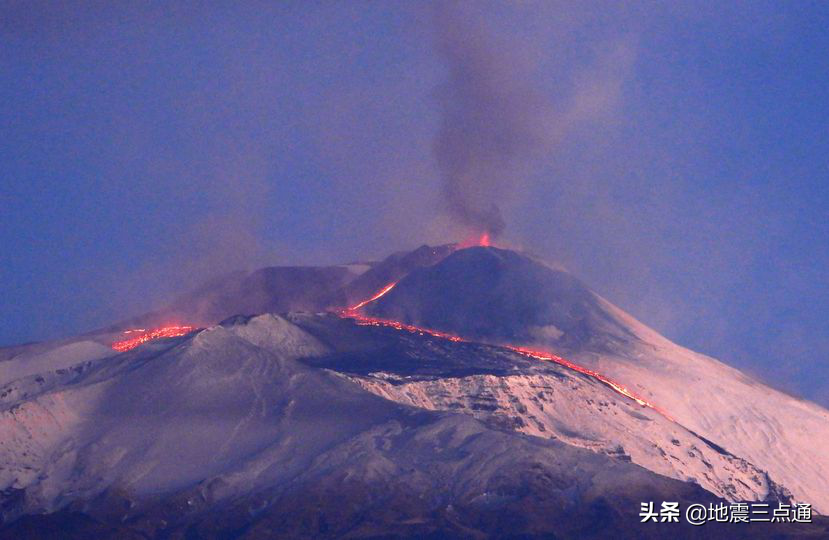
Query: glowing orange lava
point(383, 291)
point(363, 320)
point(543, 355)
point(149, 335)
point(484, 240)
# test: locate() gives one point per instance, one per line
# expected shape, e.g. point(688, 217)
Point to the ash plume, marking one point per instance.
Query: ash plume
point(492, 120)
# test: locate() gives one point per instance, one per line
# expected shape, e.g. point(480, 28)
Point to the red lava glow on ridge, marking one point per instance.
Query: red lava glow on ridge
point(484, 240)
point(142, 336)
point(363, 320)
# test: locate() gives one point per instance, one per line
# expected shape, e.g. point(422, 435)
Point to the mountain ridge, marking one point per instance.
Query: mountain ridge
point(189, 424)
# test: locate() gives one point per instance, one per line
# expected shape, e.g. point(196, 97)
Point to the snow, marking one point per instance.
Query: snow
point(779, 433)
point(161, 417)
point(558, 404)
point(231, 411)
point(234, 402)
point(357, 269)
point(499, 296)
point(35, 360)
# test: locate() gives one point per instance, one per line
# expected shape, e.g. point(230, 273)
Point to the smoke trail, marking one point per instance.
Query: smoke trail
point(492, 121)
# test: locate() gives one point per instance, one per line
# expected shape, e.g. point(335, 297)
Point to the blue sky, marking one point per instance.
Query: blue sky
point(686, 176)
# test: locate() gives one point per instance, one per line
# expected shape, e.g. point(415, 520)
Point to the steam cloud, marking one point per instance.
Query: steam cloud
point(492, 121)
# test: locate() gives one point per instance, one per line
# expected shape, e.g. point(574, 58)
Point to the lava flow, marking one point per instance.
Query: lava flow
point(383, 291)
point(149, 335)
point(363, 320)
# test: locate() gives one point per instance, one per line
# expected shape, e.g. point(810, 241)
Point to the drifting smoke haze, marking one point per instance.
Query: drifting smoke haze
point(491, 124)
point(672, 157)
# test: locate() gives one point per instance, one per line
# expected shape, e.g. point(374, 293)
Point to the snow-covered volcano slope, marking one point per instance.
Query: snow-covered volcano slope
point(226, 422)
point(512, 391)
point(23, 361)
point(498, 295)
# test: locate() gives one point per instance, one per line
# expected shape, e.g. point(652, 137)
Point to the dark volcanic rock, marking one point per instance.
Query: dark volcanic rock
point(275, 289)
point(392, 268)
point(500, 295)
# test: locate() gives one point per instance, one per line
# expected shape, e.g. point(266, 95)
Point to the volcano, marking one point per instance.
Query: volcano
point(500, 296)
point(445, 392)
point(496, 294)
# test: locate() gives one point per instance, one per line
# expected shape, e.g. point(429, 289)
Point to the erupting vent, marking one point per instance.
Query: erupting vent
point(484, 240)
point(141, 335)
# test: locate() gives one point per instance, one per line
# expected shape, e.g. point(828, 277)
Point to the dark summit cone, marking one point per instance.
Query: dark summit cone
point(501, 295)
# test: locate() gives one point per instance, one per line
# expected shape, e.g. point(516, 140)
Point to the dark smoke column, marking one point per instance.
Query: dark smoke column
point(492, 121)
